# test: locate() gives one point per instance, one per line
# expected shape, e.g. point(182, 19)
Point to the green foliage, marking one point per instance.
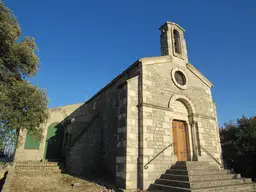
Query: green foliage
point(238, 142)
point(22, 105)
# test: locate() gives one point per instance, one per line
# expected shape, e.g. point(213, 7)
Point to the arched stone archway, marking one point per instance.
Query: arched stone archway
point(186, 101)
point(183, 112)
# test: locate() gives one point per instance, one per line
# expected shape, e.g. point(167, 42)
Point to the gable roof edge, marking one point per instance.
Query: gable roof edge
point(136, 63)
point(155, 60)
point(199, 75)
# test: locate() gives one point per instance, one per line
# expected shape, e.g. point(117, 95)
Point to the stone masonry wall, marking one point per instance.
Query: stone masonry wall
point(209, 139)
point(156, 136)
point(158, 88)
point(94, 151)
point(82, 155)
point(121, 137)
point(132, 133)
point(57, 114)
point(102, 148)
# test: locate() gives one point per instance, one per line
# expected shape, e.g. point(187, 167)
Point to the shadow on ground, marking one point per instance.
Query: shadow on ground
point(2, 180)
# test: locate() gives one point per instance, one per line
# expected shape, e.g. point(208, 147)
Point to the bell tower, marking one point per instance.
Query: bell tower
point(172, 41)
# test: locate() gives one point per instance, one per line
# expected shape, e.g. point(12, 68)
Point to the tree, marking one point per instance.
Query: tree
point(22, 105)
point(238, 141)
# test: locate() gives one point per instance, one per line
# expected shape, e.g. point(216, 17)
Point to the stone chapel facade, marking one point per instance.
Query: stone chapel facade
point(157, 112)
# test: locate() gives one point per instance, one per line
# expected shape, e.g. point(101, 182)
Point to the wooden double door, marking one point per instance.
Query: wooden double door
point(180, 139)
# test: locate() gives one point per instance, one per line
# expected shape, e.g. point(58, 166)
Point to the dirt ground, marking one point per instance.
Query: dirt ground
point(51, 183)
point(31, 182)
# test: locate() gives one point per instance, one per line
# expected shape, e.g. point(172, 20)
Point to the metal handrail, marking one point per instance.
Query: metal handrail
point(210, 155)
point(146, 165)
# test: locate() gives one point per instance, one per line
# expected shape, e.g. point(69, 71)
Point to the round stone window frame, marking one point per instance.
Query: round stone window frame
point(174, 70)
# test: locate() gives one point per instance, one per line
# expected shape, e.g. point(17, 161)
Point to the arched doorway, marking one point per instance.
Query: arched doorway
point(53, 144)
point(182, 125)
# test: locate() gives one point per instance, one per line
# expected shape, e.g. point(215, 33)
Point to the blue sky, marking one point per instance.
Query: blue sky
point(84, 44)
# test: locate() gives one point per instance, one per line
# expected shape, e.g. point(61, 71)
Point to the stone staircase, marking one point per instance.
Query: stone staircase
point(30, 168)
point(193, 176)
point(35, 166)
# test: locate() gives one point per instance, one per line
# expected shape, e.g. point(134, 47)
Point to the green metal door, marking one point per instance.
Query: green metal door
point(53, 144)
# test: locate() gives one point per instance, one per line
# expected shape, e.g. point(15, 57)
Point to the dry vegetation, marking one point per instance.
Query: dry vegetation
point(45, 182)
point(30, 182)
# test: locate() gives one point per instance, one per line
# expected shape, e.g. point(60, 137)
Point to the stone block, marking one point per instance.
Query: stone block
point(168, 152)
point(121, 174)
point(147, 151)
point(167, 139)
point(131, 185)
point(131, 167)
point(148, 122)
point(120, 159)
point(147, 109)
point(132, 151)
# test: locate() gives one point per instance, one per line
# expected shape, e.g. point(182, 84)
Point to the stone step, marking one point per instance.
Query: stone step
point(51, 160)
point(38, 170)
point(231, 188)
point(220, 183)
point(200, 177)
point(196, 172)
point(196, 163)
point(202, 184)
point(37, 164)
point(197, 167)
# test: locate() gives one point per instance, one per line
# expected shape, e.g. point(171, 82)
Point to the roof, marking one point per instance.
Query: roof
point(147, 61)
point(172, 23)
point(135, 64)
point(81, 103)
point(199, 75)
